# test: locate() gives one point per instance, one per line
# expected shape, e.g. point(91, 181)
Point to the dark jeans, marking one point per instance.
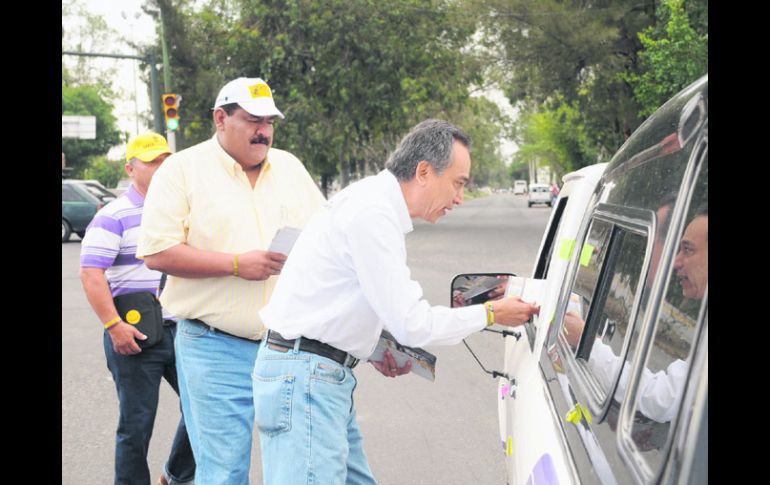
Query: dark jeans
point(137, 379)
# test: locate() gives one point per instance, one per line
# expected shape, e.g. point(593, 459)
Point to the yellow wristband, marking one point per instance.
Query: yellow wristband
point(235, 265)
point(112, 322)
point(490, 314)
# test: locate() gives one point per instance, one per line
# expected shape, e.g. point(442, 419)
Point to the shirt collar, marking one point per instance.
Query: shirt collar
point(134, 196)
point(396, 198)
point(229, 162)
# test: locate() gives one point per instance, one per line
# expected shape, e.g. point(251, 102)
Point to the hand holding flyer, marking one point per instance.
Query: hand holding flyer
point(284, 240)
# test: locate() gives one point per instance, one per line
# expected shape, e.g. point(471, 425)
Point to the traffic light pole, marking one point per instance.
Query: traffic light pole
point(170, 134)
point(157, 113)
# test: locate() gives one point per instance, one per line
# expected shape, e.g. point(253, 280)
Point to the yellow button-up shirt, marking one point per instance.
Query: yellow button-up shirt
point(202, 197)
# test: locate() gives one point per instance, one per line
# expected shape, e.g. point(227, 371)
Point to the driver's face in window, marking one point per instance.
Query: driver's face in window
point(691, 263)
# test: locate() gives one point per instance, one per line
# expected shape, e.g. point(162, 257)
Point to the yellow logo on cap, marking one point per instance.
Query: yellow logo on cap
point(133, 317)
point(260, 91)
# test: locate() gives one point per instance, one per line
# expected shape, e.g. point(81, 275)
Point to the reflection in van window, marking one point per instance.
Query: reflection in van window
point(602, 345)
point(665, 372)
point(588, 275)
point(600, 342)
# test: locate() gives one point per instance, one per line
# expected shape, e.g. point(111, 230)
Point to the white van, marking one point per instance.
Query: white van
point(609, 384)
point(519, 187)
point(539, 194)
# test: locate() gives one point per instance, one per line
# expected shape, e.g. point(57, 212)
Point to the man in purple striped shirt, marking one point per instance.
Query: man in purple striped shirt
point(108, 268)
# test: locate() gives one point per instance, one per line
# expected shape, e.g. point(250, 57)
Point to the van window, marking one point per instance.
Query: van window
point(664, 375)
point(608, 283)
point(541, 271)
point(621, 251)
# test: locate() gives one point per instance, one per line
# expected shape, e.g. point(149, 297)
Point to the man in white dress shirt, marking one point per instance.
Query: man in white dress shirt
point(345, 282)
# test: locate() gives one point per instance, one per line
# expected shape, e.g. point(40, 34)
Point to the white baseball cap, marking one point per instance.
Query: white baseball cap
point(252, 94)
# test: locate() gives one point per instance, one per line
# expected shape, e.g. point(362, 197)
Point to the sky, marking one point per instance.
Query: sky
point(127, 18)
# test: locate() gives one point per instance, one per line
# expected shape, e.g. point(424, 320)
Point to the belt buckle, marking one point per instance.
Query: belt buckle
point(350, 361)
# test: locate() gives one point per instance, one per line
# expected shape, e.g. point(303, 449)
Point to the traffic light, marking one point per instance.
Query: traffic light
point(171, 111)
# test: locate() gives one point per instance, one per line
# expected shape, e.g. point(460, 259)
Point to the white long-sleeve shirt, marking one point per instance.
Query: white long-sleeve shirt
point(346, 278)
point(659, 393)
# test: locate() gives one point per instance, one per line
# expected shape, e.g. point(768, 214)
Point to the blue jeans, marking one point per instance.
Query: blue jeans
point(216, 390)
point(307, 424)
point(137, 379)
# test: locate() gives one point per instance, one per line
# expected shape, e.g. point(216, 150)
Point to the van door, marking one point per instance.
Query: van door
point(635, 358)
point(523, 412)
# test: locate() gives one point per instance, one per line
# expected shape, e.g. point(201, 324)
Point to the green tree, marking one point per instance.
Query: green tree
point(482, 120)
point(572, 50)
point(671, 59)
point(351, 76)
point(108, 172)
point(581, 52)
point(555, 136)
point(88, 101)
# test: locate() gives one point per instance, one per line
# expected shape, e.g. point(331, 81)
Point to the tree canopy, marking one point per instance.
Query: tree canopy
point(603, 65)
point(351, 76)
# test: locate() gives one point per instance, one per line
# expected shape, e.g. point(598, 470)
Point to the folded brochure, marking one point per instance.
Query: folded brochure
point(284, 240)
point(423, 363)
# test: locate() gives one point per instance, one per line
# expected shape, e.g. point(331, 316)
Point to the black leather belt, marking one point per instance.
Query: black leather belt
point(223, 332)
point(314, 347)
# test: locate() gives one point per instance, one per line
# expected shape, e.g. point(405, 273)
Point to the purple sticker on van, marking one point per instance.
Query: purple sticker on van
point(544, 472)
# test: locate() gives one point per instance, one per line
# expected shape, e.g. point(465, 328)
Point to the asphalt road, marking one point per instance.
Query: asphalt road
point(415, 432)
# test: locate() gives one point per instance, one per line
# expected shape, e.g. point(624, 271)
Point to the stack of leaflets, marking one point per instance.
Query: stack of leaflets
point(423, 363)
point(528, 289)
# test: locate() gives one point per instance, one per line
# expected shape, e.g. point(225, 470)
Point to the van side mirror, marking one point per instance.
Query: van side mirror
point(474, 288)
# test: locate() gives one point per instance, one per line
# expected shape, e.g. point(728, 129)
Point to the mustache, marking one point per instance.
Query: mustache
point(260, 139)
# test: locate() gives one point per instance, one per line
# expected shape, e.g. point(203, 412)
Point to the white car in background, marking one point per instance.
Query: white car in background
point(539, 194)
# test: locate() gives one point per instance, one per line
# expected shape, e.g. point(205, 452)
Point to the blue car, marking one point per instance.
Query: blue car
point(80, 200)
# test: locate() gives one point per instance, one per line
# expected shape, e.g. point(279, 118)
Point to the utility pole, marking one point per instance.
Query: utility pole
point(170, 134)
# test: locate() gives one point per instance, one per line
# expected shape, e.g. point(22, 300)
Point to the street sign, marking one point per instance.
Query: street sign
point(82, 127)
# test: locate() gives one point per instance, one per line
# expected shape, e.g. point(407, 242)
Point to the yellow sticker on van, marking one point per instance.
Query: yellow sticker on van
point(565, 250)
point(585, 254)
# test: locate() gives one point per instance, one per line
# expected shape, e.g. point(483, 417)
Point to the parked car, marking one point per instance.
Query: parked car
point(609, 383)
point(121, 187)
point(519, 187)
point(80, 200)
point(95, 188)
point(539, 194)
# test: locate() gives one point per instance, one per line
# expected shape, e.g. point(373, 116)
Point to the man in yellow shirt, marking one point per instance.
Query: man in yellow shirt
point(208, 221)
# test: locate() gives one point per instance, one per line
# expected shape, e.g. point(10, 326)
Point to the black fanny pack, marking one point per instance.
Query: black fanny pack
point(143, 311)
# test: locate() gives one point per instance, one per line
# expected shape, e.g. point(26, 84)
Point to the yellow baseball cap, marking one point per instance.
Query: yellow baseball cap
point(146, 147)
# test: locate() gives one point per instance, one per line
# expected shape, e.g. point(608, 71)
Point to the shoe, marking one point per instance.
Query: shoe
point(162, 480)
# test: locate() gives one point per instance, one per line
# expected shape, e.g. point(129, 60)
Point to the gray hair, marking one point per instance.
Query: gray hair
point(432, 141)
